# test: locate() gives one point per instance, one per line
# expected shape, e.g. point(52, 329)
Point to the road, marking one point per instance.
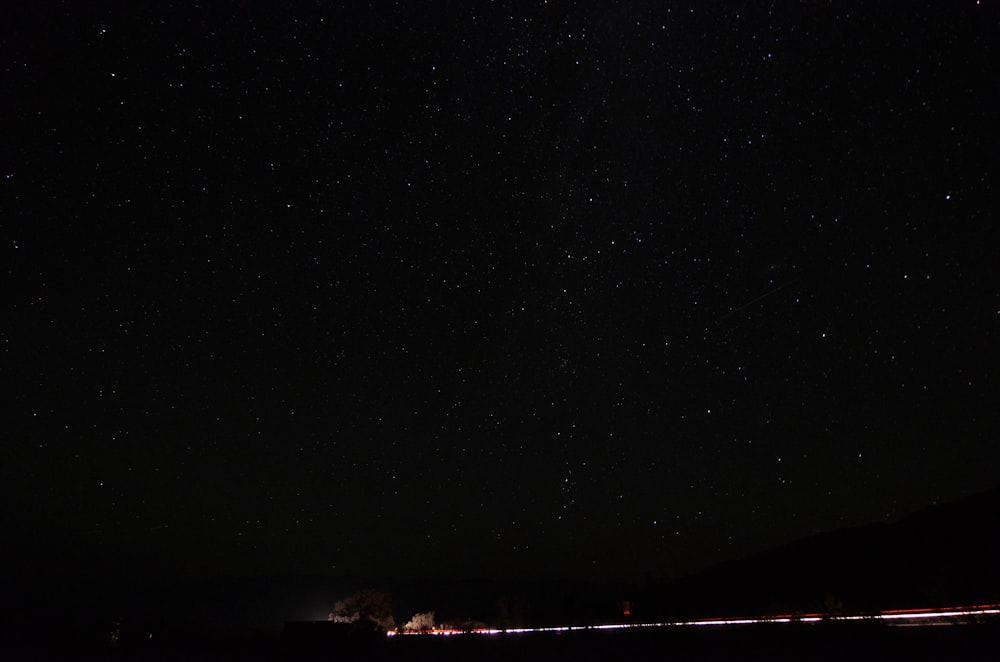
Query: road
point(910, 617)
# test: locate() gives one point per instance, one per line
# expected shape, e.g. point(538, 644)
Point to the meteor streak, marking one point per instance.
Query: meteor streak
point(755, 300)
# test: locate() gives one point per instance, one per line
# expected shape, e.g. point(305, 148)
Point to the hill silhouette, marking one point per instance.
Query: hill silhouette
point(941, 555)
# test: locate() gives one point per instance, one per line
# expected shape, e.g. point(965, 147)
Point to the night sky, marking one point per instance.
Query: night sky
point(558, 289)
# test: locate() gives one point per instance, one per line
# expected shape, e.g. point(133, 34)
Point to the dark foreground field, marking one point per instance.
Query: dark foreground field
point(769, 642)
point(751, 643)
point(842, 641)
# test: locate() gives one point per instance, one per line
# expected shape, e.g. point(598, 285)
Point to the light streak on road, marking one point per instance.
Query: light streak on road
point(944, 616)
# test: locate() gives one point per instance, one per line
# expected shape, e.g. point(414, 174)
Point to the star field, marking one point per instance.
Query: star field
point(540, 289)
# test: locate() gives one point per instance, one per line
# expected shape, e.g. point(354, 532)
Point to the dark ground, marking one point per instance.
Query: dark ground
point(768, 642)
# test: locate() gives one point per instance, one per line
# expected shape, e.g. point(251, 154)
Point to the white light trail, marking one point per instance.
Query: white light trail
point(946, 616)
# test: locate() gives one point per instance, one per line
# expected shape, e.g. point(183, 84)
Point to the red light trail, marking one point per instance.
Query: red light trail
point(943, 616)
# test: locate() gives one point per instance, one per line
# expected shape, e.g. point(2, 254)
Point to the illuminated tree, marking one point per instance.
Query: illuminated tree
point(423, 621)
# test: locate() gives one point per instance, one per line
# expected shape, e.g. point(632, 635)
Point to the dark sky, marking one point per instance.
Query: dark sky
point(523, 289)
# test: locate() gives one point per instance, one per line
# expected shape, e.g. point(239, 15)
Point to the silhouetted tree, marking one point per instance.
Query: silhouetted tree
point(832, 605)
point(511, 612)
point(364, 607)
